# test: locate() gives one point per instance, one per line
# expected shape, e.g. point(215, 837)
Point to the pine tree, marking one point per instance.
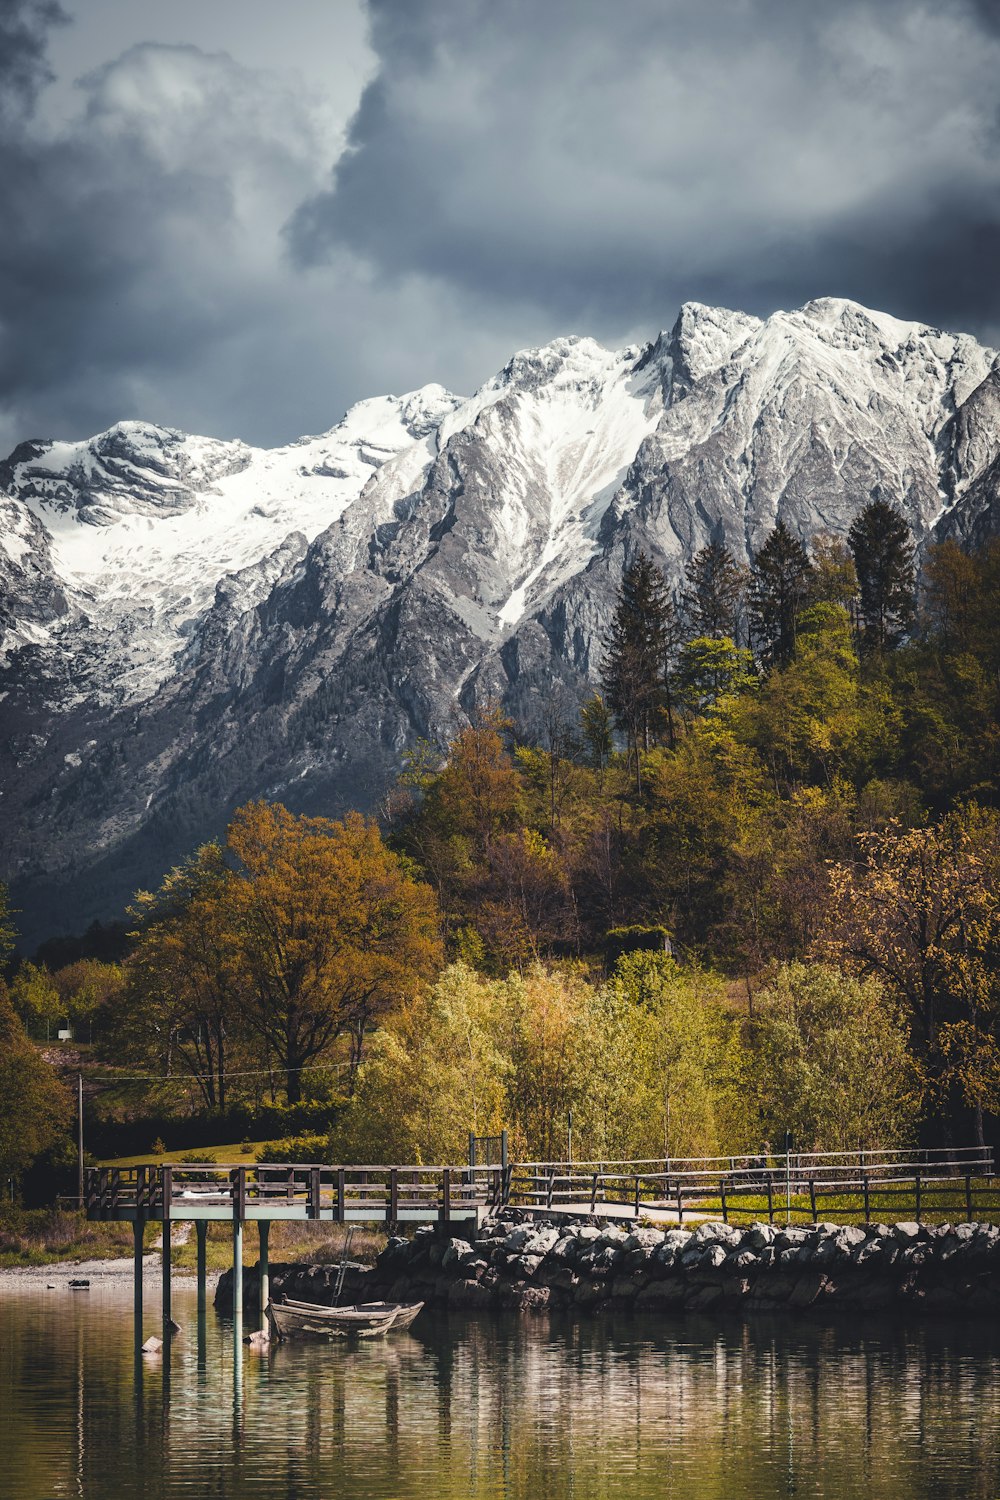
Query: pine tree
point(779, 588)
point(640, 646)
point(882, 547)
point(713, 598)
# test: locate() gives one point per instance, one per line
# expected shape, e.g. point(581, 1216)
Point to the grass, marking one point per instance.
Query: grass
point(41, 1236)
point(942, 1203)
point(233, 1154)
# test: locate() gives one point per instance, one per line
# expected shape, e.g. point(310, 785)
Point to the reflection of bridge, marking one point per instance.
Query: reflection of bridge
point(804, 1186)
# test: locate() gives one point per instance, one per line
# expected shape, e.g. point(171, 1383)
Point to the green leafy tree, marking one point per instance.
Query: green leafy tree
point(596, 724)
point(825, 1056)
point(780, 580)
point(710, 668)
point(882, 547)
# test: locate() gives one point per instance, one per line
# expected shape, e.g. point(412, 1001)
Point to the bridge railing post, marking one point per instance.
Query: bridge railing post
point(312, 1209)
point(446, 1194)
point(341, 1212)
point(393, 1206)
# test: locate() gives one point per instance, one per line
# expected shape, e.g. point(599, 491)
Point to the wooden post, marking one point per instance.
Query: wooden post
point(550, 1187)
point(770, 1199)
point(446, 1195)
point(812, 1199)
point(680, 1204)
point(637, 1196)
point(394, 1194)
point(968, 1196)
point(917, 1194)
point(239, 1184)
point(138, 1229)
point(722, 1196)
point(313, 1208)
point(472, 1149)
point(341, 1195)
point(165, 1277)
point(264, 1225)
point(593, 1193)
point(201, 1230)
point(868, 1207)
point(237, 1267)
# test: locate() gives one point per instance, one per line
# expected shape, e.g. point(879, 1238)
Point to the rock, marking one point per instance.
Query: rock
point(907, 1231)
point(646, 1239)
point(542, 1241)
point(455, 1250)
point(761, 1236)
point(525, 1266)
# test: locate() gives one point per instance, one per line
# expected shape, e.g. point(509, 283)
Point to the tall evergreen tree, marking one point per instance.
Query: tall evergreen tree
point(882, 547)
point(779, 588)
point(640, 646)
point(714, 593)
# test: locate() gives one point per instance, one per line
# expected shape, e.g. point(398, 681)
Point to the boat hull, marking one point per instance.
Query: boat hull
point(371, 1320)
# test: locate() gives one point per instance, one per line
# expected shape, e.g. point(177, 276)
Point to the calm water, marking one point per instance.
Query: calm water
point(463, 1408)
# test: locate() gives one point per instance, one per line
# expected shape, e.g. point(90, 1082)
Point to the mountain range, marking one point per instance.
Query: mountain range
point(187, 622)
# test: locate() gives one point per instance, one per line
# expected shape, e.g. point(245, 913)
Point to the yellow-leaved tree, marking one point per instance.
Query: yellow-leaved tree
point(331, 927)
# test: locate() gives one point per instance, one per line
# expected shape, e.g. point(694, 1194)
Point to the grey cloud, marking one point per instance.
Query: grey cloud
point(606, 162)
point(24, 29)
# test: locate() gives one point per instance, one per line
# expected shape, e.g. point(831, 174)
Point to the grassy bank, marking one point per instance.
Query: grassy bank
point(313, 1244)
point(41, 1236)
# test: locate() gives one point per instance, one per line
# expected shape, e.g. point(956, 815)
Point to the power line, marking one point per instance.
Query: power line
point(193, 1077)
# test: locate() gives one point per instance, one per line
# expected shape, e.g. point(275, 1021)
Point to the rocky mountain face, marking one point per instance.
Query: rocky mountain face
point(185, 623)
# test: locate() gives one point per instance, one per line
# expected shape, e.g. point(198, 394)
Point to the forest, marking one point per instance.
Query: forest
point(751, 886)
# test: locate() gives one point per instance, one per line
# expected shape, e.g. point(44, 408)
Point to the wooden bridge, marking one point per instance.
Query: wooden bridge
point(835, 1185)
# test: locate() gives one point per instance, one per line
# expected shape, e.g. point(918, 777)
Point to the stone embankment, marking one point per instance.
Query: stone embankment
point(586, 1267)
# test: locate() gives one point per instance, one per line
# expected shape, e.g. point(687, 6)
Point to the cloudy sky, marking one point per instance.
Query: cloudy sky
point(239, 217)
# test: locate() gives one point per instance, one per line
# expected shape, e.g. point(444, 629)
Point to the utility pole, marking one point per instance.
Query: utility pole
point(79, 1138)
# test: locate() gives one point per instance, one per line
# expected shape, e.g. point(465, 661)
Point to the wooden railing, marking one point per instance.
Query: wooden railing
point(802, 1185)
point(379, 1192)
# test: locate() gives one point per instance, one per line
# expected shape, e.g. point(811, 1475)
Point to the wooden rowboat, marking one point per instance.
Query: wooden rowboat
point(364, 1320)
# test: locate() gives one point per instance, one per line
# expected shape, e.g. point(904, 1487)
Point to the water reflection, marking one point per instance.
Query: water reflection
point(462, 1408)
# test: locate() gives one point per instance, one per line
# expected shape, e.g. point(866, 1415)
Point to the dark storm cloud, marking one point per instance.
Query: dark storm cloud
point(174, 247)
point(606, 162)
point(24, 26)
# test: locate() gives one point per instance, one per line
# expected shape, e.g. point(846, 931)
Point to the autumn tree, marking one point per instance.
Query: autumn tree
point(187, 989)
point(332, 930)
point(882, 547)
point(780, 578)
point(34, 1106)
point(920, 912)
point(477, 791)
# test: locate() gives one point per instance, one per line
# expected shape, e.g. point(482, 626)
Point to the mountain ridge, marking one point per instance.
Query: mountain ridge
point(185, 623)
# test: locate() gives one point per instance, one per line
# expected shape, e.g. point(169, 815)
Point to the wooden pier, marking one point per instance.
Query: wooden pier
point(841, 1186)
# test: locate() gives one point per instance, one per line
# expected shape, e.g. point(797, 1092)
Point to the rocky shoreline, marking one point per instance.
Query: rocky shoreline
point(586, 1267)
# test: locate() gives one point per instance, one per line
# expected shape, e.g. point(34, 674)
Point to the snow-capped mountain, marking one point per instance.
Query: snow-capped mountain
point(186, 622)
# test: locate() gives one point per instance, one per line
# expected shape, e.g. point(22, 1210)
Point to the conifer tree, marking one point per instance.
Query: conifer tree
point(779, 588)
point(882, 548)
point(640, 647)
point(713, 598)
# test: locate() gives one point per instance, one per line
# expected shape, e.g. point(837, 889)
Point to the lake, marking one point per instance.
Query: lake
point(464, 1407)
